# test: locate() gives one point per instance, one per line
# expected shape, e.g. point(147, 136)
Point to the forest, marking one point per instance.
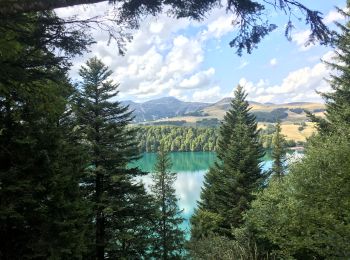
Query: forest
point(193, 139)
point(67, 190)
point(176, 139)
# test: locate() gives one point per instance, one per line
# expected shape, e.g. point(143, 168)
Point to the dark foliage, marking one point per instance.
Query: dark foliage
point(271, 117)
point(122, 209)
point(169, 237)
point(42, 213)
point(229, 185)
point(251, 16)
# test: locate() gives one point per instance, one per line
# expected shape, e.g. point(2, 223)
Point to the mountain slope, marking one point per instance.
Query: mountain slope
point(172, 109)
point(163, 108)
point(268, 112)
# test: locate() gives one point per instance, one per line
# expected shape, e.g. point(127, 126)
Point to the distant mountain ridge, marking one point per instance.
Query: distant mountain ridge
point(163, 108)
point(172, 108)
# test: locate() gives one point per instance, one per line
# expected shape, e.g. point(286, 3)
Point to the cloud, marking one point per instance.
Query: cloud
point(301, 39)
point(163, 60)
point(200, 79)
point(298, 85)
point(185, 55)
point(161, 57)
point(273, 62)
point(207, 95)
point(85, 11)
point(219, 27)
point(152, 73)
point(178, 93)
point(333, 16)
point(329, 56)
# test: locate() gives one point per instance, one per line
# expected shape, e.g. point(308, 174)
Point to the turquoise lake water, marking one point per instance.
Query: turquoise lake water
point(190, 168)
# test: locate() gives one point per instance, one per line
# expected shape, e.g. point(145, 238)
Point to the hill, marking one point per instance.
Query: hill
point(163, 108)
point(269, 112)
point(172, 109)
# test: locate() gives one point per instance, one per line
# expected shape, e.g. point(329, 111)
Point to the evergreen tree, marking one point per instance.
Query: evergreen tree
point(278, 152)
point(229, 185)
point(121, 207)
point(42, 211)
point(170, 239)
point(338, 101)
point(306, 215)
point(319, 182)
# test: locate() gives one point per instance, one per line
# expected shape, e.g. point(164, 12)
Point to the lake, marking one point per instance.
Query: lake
point(190, 168)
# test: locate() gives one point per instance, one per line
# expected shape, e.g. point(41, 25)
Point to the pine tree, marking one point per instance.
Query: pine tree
point(42, 212)
point(278, 152)
point(338, 100)
point(103, 123)
point(170, 239)
point(310, 201)
point(229, 185)
point(319, 182)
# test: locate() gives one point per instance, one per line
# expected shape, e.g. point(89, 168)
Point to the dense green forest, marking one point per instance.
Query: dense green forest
point(174, 138)
point(193, 139)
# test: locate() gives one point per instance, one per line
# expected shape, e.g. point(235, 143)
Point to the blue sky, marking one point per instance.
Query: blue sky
point(193, 61)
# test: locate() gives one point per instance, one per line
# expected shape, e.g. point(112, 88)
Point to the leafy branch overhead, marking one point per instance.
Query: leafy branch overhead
point(251, 17)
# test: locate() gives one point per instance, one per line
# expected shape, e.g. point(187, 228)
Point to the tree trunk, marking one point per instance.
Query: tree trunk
point(100, 221)
point(12, 7)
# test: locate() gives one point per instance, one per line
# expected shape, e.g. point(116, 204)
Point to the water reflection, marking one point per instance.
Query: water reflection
point(190, 168)
point(181, 161)
point(187, 185)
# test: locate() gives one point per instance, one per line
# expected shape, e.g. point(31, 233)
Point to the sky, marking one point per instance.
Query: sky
point(192, 60)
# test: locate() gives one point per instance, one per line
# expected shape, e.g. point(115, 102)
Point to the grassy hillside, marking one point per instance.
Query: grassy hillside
point(292, 131)
point(294, 110)
point(294, 118)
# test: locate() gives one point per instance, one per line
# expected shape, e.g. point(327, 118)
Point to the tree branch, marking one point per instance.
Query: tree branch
point(13, 7)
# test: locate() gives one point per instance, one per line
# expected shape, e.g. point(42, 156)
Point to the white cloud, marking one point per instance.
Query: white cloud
point(250, 87)
point(273, 62)
point(219, 27)
point(209, 95)
point(84, 11)
point(156, 27)
point(329, 56)
point(298, 85)
point(200, 79)
point(178, 93)
point(160, 58)
point(185, 56)
point(151, 73)
point(301, 39)
point(333, 16)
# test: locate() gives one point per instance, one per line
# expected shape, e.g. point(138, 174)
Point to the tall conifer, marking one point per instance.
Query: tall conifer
point(42, 212)
point(278, 152)
point(170, 239)
point(338, 100)
point(120, 205)
point(229, 185)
